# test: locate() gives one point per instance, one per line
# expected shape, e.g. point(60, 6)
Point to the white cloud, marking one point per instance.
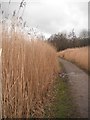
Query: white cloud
point(52, 16)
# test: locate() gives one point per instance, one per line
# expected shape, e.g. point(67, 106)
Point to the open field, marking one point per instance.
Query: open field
point(28, 71)
point(76, 55)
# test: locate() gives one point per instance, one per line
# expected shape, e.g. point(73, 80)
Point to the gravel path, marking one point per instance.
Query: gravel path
point(78, 80)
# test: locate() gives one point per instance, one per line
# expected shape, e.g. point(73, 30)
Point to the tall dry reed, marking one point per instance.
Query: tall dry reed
point(77, 55)
point(28, 70)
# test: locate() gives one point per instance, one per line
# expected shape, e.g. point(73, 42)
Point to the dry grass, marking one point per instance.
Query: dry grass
point(77, 55)
point(28, 70)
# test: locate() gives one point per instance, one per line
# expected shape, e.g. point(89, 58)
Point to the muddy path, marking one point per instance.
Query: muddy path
point(78, 81)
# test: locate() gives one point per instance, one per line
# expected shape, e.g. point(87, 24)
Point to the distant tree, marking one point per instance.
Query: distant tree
point(59, 41)
point(83, 34)
point(63, 41)
point(72, 34)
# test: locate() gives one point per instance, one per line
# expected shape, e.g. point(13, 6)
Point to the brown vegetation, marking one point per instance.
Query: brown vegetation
point(28, 71)
point(77, 55)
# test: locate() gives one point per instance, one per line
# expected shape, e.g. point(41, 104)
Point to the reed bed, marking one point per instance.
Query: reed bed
point(28, 72)
point(77, 55)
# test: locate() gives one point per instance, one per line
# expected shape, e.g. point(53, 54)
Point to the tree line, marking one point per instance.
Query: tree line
point(63, 41)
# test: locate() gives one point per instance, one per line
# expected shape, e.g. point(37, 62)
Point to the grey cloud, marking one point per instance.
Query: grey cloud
point(52, 17)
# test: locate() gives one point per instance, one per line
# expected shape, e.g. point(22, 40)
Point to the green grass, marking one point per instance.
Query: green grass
point(62, 105)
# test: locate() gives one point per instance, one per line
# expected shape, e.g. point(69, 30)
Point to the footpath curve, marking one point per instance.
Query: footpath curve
point(78, 81)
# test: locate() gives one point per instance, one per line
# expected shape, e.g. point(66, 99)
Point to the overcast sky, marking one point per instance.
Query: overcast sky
point(53, 16)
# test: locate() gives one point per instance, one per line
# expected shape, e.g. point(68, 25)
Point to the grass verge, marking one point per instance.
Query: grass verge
point(61, 105)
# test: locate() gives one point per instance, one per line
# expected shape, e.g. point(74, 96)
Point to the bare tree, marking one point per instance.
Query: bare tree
point(84, 34)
